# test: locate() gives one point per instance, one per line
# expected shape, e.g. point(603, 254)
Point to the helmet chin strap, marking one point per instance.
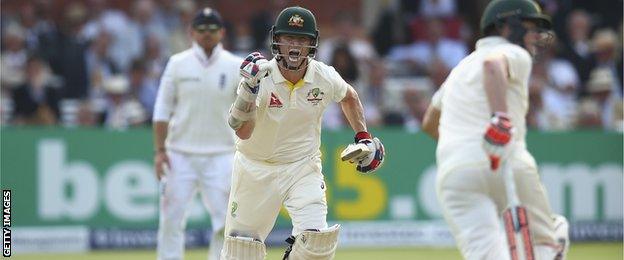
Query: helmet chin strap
point(281, 61)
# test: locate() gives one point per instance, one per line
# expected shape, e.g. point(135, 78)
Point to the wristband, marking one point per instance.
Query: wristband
point(362, 135)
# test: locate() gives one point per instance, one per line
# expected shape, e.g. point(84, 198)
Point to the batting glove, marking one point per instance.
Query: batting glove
point(496, 138)
point(371, 161)
point(253, 69)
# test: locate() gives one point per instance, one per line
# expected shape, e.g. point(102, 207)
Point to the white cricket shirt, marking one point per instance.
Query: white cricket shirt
point(466, 112)
point(194, 96)
point(288, 122)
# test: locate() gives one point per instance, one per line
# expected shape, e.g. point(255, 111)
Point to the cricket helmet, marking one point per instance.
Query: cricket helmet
point(498, 12)
point(295, 20)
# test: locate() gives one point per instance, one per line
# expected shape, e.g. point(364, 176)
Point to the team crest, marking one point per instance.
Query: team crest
point(315, 96)
point(296, 21)
point(234, 208)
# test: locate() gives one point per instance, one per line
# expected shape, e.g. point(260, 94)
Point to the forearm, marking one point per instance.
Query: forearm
point(243, 112)
point(495, 83)
point(353, 111)
point(431, 121)
point(160, 129)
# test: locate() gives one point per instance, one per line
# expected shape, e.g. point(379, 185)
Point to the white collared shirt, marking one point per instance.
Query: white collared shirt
point(288, 123)
point(465, 108)
point(194, 96)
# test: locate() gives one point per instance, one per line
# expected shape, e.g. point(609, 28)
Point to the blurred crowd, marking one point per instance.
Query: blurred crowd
point(96, 65)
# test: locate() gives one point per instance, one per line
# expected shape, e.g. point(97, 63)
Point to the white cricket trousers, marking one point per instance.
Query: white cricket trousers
point(259, 189)
point(472, 200)
point(211, 175)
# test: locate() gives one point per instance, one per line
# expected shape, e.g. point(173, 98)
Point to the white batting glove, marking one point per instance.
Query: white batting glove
point(372, 161)
point(253, 69)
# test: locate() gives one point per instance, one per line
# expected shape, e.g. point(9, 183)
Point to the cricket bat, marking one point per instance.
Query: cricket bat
point(354, 151)
point(516, 221)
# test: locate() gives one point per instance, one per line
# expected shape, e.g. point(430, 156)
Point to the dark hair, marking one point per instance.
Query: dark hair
point(350, 73)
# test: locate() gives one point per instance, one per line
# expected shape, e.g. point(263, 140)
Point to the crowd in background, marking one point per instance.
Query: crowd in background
point(96, 65)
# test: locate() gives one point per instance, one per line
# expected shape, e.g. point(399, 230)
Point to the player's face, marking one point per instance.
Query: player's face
point(207, 39)
point(294, 48)
point(536, 40)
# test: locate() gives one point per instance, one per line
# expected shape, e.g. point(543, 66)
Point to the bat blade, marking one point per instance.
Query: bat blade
point(354, 151)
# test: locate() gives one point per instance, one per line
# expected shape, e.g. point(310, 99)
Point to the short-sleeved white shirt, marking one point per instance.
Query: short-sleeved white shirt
point(288, 123)
point(465, 109)
point(194, 96)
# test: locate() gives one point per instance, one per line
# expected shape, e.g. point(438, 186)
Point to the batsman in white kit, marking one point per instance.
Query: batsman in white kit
point(481, 108)
point(194, 147)
point(277, 116)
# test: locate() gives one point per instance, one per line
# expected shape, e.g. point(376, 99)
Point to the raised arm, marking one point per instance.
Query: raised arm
point(243, 111)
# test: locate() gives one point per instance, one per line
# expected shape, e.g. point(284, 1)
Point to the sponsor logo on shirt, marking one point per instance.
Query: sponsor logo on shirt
point(193, 79)
point(315, 96)
point(221, 81)
point(275, 102)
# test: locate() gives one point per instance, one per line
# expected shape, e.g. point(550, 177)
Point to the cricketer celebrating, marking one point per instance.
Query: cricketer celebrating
point(277, 116)
point(191, 136)
point(481, 108)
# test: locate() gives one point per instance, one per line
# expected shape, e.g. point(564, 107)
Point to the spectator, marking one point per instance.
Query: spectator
point(437, 8)
point(606, 51)
point(577, 47)
point(145, 25)
point(123, 46)
point(122, 111)
point(600, 88)
point(345, 64)
point(152, 55)
point(143, 88)
point(589, 114)
point(372, 95)
point(99, 64)
point(347, 33)
point(13, 58)
point(180, 38)
point(86, 116)
point(437, 46)
point(38, 32)
point(416, 102)
point(69, 58)
point(559, 93)
point(36, 101)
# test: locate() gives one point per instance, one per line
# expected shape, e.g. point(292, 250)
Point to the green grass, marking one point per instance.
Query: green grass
point(602, 251)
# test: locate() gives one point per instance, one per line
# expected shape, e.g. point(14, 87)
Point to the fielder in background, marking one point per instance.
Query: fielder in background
point(194, 148)
point(277, 116)
point(481, 109)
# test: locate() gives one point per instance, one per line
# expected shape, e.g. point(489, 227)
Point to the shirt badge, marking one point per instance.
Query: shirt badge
point(315, 96)
point(275, 102)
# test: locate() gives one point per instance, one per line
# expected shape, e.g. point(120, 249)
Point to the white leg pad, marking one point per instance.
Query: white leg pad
point(562, 235)
point(243, 248)
point(545, 252)
point(313, 245)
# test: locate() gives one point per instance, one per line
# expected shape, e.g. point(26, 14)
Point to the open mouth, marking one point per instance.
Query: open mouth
point(294, 55)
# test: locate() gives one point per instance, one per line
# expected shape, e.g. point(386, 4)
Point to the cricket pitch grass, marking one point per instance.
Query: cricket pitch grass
point(578, 251)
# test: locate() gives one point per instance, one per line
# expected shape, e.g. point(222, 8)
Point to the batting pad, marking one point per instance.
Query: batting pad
point(562, 236)
point(243, 248)
point(315, 245)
